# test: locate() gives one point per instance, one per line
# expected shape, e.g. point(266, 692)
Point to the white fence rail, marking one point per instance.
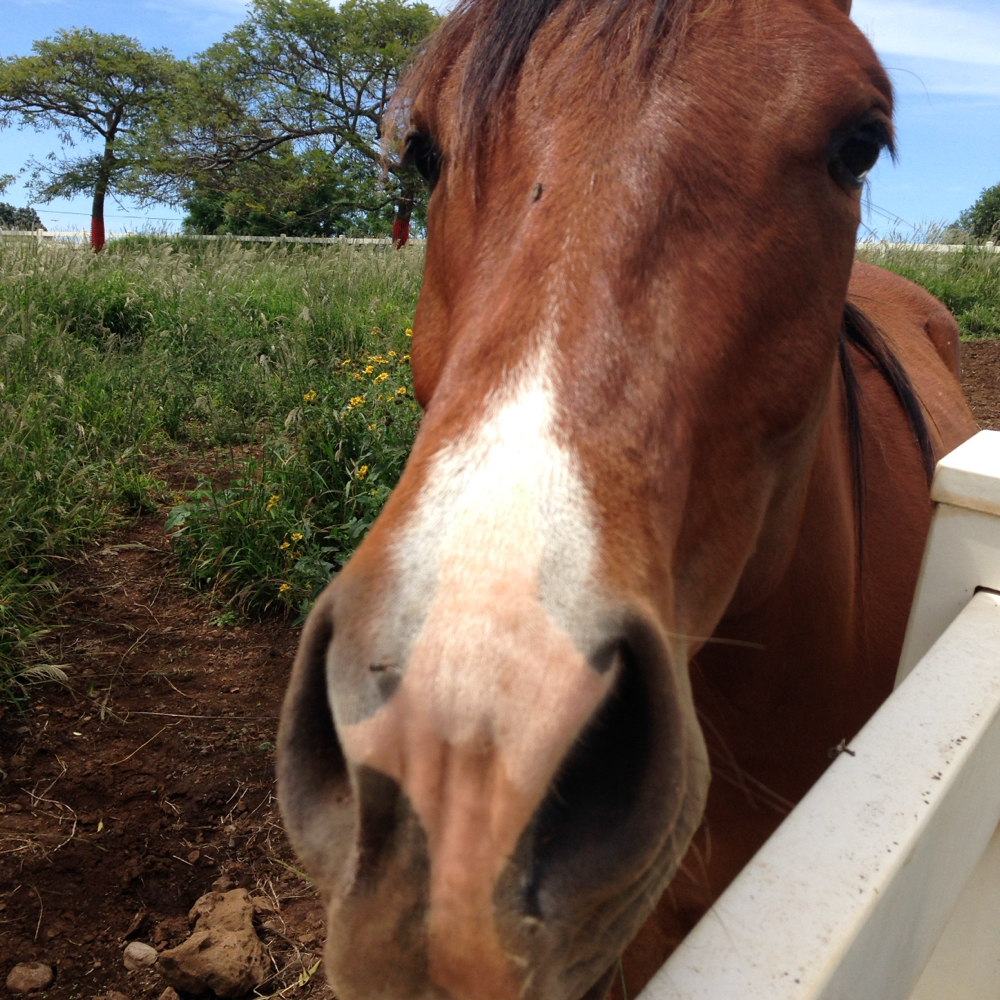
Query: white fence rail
point(884, 246)
point(884, 882)
point(83, 236)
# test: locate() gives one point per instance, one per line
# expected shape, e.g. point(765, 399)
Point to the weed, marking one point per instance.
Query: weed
point(105, 360)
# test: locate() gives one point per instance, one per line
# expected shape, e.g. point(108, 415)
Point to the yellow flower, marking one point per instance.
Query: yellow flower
point(284, 545)
point(401, 391)
point(373, 427)
point(309, 396)
point(392, 354)
point(356, 401)
point(357, 375)
point(273, 502)
point(296, 536)
point(381, 378)
point(362, 472)
point(345, 362)
point(369, 369)
point(405, 357)
point(409, 332)
point(284, 587)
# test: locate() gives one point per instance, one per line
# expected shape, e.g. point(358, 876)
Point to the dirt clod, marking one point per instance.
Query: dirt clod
point(27, 977)
point(223, 954)
point(139, 955)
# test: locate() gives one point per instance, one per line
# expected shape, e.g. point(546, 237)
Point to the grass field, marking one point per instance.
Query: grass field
point(288, 363)
point(287, 366)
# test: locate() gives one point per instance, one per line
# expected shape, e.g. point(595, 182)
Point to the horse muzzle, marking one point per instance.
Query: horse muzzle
point(490, 814)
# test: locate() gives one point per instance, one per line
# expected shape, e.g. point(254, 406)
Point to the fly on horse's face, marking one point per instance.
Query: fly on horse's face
point(626, 347)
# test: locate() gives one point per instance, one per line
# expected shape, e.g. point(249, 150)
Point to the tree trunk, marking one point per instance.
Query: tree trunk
point(401, 224)
point(100, 190)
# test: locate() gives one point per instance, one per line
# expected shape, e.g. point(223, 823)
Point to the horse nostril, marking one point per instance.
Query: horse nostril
point(387, 678)
point(617, 790)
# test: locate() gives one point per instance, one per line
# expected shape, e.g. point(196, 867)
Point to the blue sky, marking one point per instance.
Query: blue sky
point(943, 55)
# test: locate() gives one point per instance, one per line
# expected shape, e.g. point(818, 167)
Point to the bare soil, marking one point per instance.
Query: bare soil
point(136, 788)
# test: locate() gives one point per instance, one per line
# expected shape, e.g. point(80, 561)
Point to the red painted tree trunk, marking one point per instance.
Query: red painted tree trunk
point(400, 232)
point(96, 235)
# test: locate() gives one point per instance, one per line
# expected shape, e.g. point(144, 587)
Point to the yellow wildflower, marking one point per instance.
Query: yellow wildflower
point(381, 378)
point(273, 501)
point(392, 354)
point(357, 375)
point(309, 396)
point(373, 427)
point(362, 472)
point(296, 536)
point(369, 369)
point(356, 401)
point(401, 391)
point(345, 362)
point(405, 357)
point(284, 587)
point(409, 332)
point(284, 545)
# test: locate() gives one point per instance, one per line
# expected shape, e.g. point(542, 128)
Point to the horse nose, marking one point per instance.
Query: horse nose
point(466, 816)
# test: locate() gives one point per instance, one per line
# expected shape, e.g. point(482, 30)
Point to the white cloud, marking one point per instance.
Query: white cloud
point(966, 32)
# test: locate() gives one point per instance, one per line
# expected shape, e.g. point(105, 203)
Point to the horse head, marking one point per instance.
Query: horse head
point(640, 238)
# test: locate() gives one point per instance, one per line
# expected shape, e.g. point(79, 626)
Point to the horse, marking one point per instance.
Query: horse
point(653, 551)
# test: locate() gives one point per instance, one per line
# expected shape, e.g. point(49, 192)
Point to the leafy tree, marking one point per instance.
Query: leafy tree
point(982, 220)
point(88, 85)
point(306, 76)
point(18, 218)
point(282, 192)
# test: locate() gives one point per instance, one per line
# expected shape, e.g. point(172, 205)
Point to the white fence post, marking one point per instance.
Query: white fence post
point(854, 896)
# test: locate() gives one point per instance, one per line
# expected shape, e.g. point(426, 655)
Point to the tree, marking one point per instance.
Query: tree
point(294, 194)
point(88, 85)
point(304, 76)
point(18, 218)
point(982, 220)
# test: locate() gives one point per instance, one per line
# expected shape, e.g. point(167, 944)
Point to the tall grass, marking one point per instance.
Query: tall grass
point(155, 346)
point(968, 282)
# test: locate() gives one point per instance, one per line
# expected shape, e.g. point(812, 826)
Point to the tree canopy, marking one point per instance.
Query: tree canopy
point(296, 78)
point(85, 84)
point(982, 220)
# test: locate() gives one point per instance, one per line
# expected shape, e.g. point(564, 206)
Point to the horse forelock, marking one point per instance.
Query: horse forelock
point(493, 38)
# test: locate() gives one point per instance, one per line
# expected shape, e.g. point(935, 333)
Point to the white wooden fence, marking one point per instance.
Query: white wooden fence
point(884, 882)
point(83, 236)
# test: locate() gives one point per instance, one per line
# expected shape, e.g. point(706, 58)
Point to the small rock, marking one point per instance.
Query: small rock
point(223, 883)
point(28, 976)
point(223, 954)
point(169, 994)
point(139, 955)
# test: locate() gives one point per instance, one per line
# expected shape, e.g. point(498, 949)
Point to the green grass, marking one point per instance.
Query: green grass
point(968, 282)
point(160, 346)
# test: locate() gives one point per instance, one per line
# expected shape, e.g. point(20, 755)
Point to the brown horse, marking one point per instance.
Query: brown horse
point(666, 507)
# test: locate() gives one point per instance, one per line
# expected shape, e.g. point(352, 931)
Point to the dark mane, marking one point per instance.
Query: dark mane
point(497, 35)
point(861, 334)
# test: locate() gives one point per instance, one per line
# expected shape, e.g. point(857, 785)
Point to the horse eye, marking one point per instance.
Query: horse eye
point(421, 152)
point(854, 157)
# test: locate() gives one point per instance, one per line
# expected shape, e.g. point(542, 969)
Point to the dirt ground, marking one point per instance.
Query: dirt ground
point(148, 780)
